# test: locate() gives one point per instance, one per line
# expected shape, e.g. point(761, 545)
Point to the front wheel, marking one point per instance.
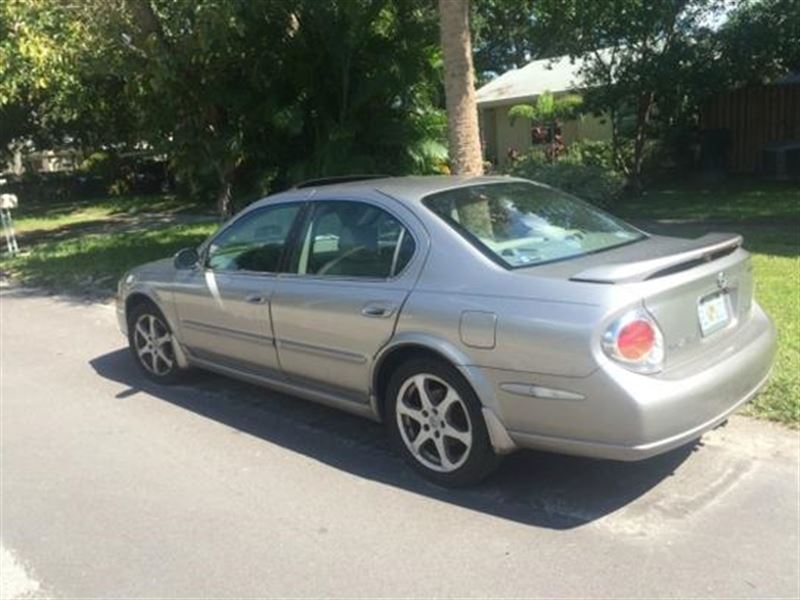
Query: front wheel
point(151, 344)
point(435, 421)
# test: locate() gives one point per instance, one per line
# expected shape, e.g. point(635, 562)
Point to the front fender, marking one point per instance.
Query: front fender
point(161, 296)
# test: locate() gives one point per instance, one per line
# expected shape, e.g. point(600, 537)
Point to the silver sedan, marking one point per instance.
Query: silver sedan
point(473, 316)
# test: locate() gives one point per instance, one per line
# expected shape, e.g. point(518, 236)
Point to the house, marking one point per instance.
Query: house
point(501, 134)
point(43, 161)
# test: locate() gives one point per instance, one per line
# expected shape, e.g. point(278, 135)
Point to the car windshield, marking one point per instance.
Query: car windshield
point(524, 224)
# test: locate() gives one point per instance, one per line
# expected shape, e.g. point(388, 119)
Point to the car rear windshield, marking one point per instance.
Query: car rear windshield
point(523, 224)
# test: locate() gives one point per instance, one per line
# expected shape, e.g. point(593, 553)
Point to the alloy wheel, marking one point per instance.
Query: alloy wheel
point(153, 343)
point(434, 422)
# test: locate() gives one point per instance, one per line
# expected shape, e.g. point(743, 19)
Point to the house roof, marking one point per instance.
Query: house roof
point(559, 74)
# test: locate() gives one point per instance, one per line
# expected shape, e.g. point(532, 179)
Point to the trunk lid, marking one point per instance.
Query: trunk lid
point(660, 256)
point(676, 280)
point(717, 286)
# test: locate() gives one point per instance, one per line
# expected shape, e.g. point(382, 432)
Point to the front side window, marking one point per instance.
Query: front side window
point(353, 239)
point(254, 242)
point(523, 224)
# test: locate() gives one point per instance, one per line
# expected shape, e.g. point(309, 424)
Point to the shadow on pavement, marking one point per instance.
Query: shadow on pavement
point(546, 490)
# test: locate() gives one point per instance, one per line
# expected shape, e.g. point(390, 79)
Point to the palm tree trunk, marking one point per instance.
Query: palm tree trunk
point(459, 87)
point(462, 111)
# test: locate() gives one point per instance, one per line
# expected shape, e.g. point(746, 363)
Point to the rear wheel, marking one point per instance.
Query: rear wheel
point(435, 420)
point(151, 344)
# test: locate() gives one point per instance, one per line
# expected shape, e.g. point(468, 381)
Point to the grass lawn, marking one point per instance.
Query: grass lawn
point(94, 262)
point(86, 246)
point(42, 217)
point(83, 247)
point(745, 200)
point(778, 291)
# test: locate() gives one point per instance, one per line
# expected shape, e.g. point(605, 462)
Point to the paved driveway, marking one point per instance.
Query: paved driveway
point(113, 487)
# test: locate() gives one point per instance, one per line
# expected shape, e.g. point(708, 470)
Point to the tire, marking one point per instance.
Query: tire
point(458, 431)
point(165, 369)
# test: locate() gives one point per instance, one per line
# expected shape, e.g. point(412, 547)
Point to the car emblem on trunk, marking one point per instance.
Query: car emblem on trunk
point(722, 280)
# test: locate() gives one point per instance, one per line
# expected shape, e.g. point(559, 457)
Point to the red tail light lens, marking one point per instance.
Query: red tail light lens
point(635, 341)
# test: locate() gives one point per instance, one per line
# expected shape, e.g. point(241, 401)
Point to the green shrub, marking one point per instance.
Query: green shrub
point(594, 183)
point(100, 164)
point(593, 153)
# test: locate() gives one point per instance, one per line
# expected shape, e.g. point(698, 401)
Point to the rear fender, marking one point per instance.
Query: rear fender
point(500, 439)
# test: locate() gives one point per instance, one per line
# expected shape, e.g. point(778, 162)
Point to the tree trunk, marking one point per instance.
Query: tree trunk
point(462, 111)
point(616, 151)
point(459, 87)
point(225, 201)
point(224, 194)
point(148, 23)
point(642, 120)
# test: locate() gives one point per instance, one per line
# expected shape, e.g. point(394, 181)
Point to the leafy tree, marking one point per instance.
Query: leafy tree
point(504, 36)
point(59, 78)
point(201, 73)
point(636, 55)
point(760, 41)
point(375, 107)
point(241, 96)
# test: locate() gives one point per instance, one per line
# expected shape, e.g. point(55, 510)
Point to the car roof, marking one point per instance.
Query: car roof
point(410, 189)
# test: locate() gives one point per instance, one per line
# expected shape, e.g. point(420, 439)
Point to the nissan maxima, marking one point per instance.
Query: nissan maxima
point(472, 316)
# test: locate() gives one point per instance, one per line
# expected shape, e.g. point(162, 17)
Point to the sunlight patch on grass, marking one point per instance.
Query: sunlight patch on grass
point(95, 262)
point(38, 217)
point(734, 201)
point(778, 291)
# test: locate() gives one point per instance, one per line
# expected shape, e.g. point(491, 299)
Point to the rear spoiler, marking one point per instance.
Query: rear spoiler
point(693, 253)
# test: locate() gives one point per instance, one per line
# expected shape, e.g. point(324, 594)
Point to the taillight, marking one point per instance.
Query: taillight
point(635, 341)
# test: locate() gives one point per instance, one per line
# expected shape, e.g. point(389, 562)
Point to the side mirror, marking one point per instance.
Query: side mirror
point(187, 258)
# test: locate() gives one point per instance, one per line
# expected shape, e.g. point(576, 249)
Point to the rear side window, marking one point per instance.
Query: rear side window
point(255, 242)
point(352, 239)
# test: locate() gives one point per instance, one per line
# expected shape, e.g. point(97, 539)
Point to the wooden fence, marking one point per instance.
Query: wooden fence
point(754, 116)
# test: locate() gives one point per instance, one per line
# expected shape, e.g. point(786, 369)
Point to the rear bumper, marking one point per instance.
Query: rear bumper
point(633, 452)
point(617, 414)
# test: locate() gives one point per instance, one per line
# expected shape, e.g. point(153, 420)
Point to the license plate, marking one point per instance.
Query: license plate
point(713, 312)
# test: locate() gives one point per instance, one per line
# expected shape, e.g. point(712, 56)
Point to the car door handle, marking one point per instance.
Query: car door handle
point(255, 299)
point(380, 311)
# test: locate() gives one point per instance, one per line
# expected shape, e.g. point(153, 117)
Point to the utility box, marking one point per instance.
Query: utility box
point(7, 203)
point(781, 160)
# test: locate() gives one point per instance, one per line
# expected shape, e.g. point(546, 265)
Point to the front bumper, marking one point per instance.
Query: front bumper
point(122, 321)
point(621, 415)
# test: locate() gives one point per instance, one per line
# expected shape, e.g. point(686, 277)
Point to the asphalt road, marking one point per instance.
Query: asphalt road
point(114, 487)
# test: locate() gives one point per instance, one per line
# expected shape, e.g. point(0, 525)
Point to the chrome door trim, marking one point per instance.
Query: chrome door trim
point(342, 355)
point(233, 333)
